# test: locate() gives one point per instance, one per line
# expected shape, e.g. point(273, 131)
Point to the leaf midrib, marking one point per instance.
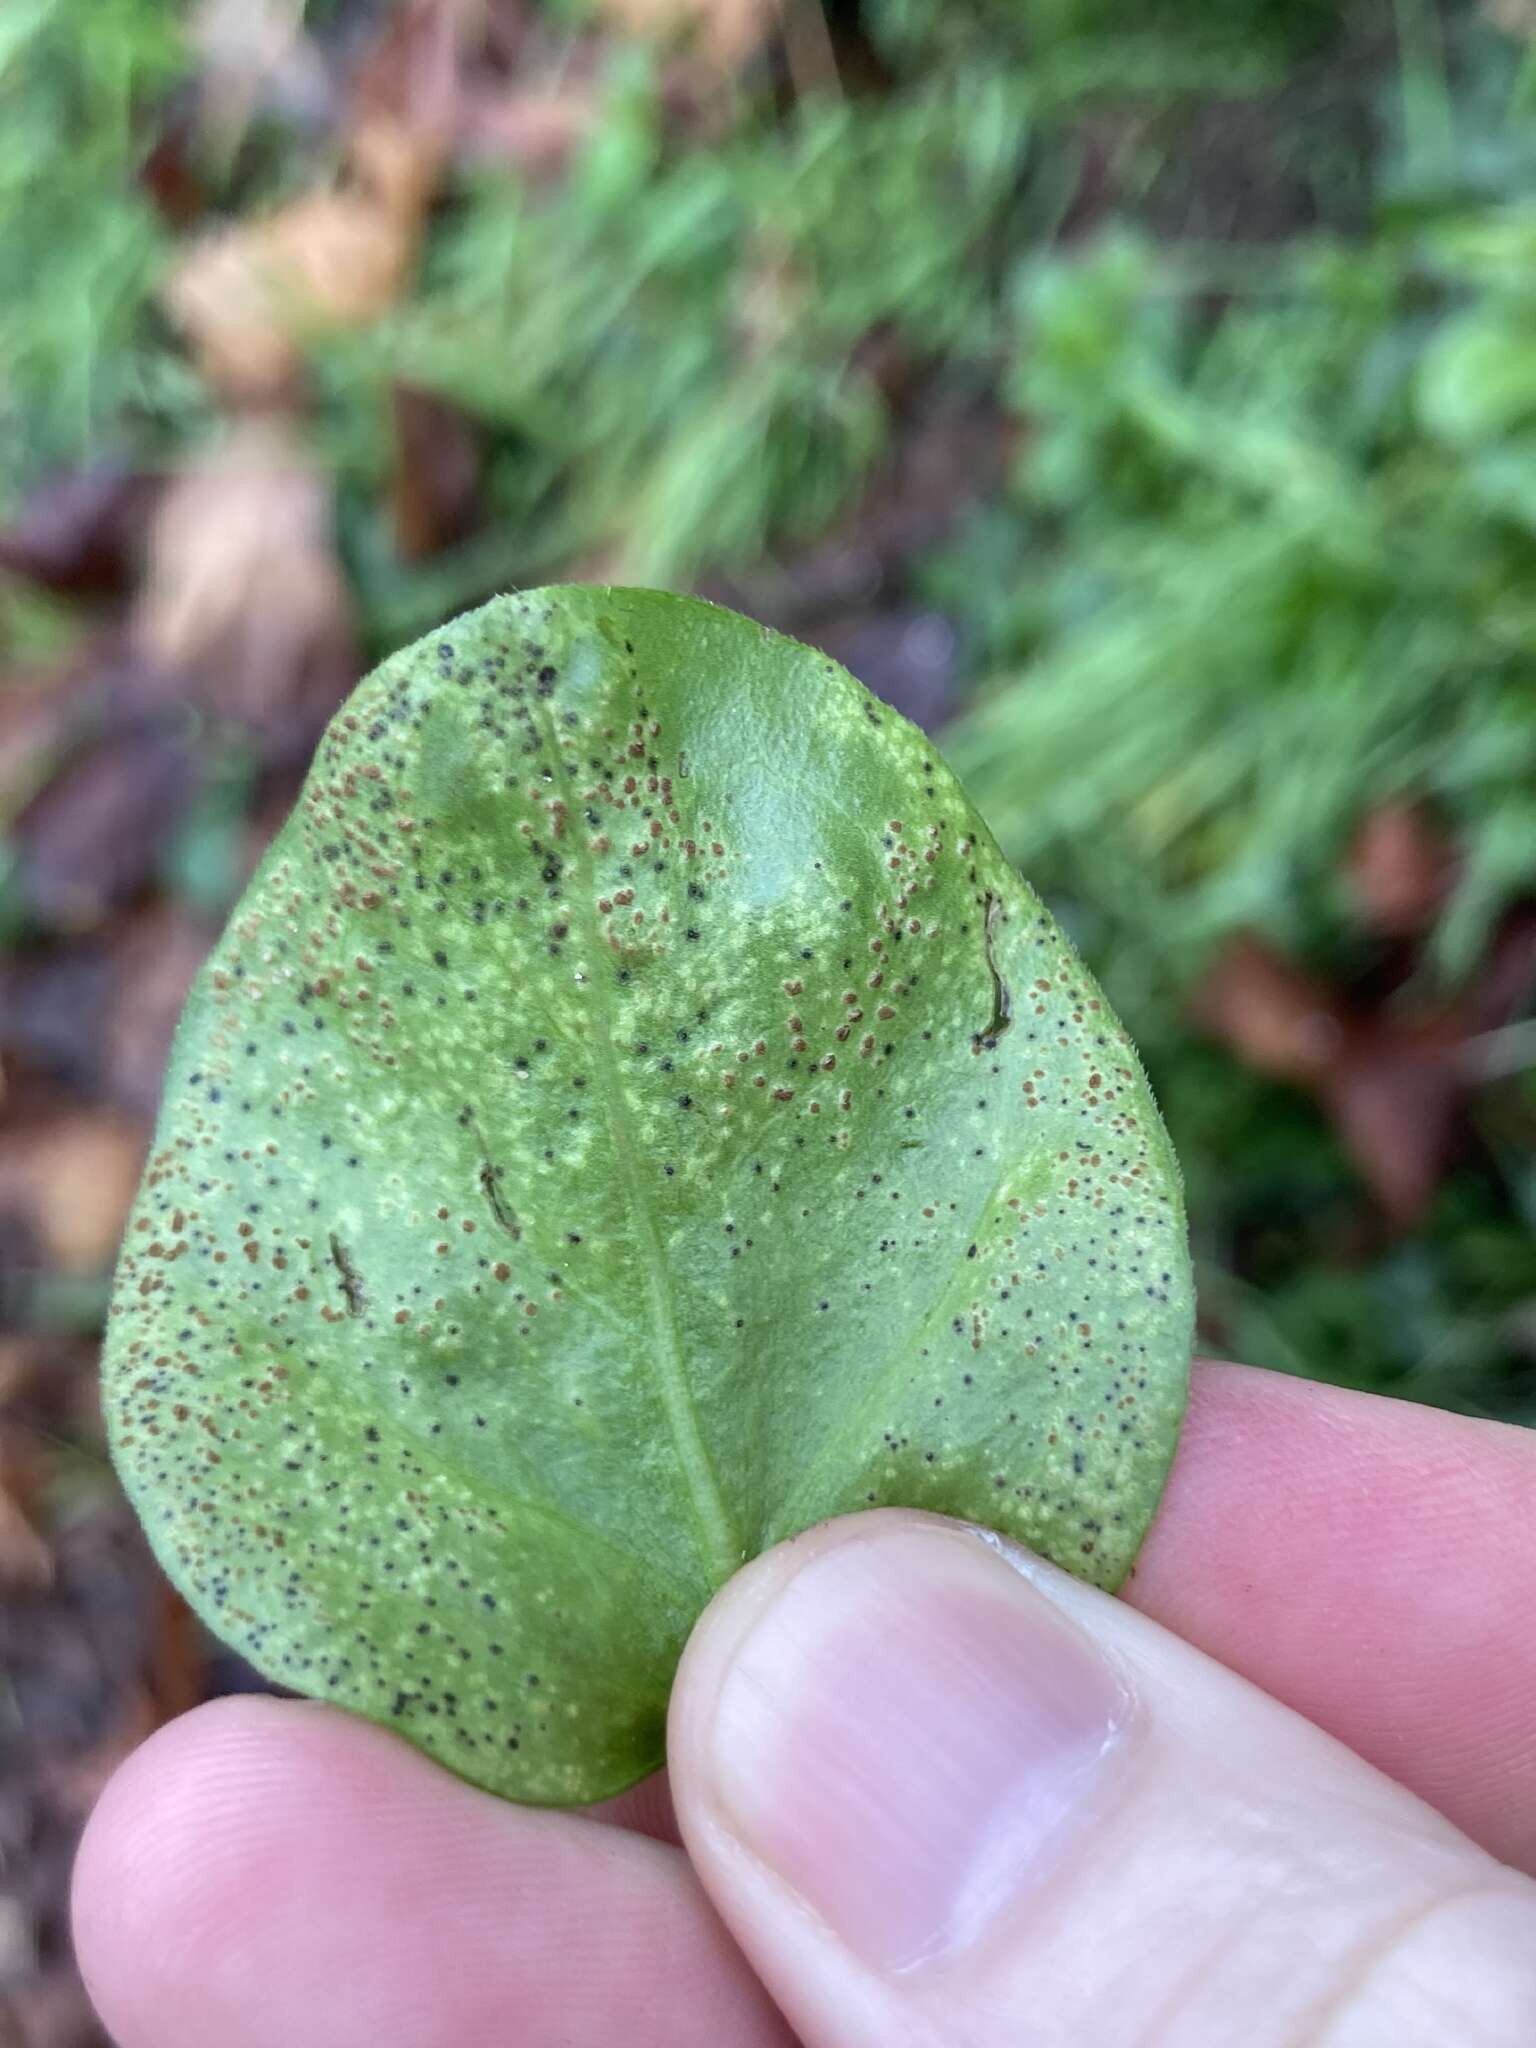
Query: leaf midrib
point(719, 1547)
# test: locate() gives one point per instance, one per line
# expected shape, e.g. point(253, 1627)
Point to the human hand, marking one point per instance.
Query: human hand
point(943, 1797)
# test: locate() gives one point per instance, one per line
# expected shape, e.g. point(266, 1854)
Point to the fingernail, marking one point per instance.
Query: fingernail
point(905, 1736)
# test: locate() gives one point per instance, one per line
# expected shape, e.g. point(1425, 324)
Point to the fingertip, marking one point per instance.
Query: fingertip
point(1359, 1558)
point(927, 1777)
point(189, 1836)
point(266, 1872)
point(730, 1617)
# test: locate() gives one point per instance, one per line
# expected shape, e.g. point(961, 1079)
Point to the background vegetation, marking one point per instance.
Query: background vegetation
point(1149, 409)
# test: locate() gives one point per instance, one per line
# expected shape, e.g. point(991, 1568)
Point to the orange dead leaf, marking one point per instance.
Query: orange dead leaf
point(71, 1175)
point(247, 296)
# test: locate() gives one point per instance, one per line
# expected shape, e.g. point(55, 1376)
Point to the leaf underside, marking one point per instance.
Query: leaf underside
point(634, 1113)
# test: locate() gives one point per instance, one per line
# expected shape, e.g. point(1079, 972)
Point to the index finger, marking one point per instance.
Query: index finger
point(1372, 1564)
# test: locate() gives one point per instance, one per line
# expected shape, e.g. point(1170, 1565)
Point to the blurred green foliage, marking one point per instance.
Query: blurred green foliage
point(1273, 567)
point(83, 359)
point(1267, 558)
point(669, 339)
point(1264, 555)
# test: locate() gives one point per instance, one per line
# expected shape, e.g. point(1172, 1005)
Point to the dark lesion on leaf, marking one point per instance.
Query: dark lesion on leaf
point(500, 1209)
point(351, 1279)
point(1002, 995)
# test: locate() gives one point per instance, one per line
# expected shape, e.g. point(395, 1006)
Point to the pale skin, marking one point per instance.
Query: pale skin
point(921, 1797)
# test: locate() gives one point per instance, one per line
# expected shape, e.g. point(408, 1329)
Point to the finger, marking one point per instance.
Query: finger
point(265, 1875)
point(949, 1798)
point(1360, 1559)
point(1372, 1564)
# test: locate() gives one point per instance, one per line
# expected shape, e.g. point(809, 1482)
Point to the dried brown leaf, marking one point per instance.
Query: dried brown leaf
point(1401, 869)
point(35, 725)
point(436, 470)
point(18, 1364)
point(248, 296)
point(1389, 1082)
point(26, 1561)
point(51, 999)
point(413, 75)
point(1275, 1016)
point(94, 834)
point(72, 1175)
point(252, 53)
point(79, 533)
point(229, 304)
point(178, 1669)
point(170, 178)
point(50, 2011)
point(244, 600)
point(76, 1781)
point(535, 127)
point(489, 78)
point(1394, 1096)
point(153, 959)
point(96, 1016)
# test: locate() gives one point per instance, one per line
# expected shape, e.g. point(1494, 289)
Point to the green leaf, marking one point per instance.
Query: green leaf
point(634, 1113)
point(1478, 378)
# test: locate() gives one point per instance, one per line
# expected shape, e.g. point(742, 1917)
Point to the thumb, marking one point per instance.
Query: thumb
point(947, 1797)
